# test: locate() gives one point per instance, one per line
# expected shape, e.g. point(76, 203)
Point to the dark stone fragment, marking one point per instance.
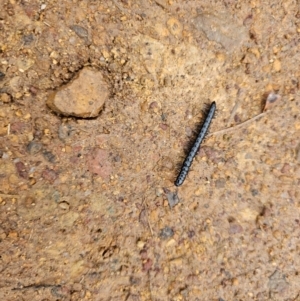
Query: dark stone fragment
point(143, 254)
point(21, 169)
point(134, 280)
point(49, 175)
point(28, 39)
point(166, 232)
point(49, 156)
point(33, 90)
point(57, 292)
point(34, 147)
point(172, 199)
point(80, 31)
point(117, 158)
point(191, 234)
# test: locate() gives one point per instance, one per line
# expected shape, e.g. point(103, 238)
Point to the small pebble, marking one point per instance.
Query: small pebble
point(173, 199)
point(277, 65)
point(21, 169)
point(159, 191)
point(4, 97)
point(34, 147)
point(191, 234)
point(64, 205)
point(163, 126)
point(80, 31)
point(254, 192)
point(271, 101)
point(147, 265)
point(140, 244)
point(64, 131)
point(166, 232)
point(49, 175)
point(49, 156)
point(32, 181)
point(235, 228)
point(13, 234)
point(154, 107)
point(134, 280)
point(28, 39)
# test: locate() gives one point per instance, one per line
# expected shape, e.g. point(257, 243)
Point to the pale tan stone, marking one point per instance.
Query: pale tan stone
point(83, 97)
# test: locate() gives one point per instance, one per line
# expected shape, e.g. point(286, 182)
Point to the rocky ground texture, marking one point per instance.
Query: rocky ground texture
point(99, 101)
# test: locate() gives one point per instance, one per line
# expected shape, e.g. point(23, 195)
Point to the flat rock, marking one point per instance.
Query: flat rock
point(83, 97)
point(222, 29)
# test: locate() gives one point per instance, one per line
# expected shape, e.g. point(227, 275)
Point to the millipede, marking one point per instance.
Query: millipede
point(196, 145)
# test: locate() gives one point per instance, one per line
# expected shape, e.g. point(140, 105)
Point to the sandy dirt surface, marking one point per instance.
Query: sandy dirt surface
point(88, 206)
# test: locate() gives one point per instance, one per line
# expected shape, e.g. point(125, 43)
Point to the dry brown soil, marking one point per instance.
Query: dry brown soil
point(85, 203)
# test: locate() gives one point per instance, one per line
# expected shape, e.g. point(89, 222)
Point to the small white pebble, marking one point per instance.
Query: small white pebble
point(140, 244)
point(5, 156)
point(64, 205)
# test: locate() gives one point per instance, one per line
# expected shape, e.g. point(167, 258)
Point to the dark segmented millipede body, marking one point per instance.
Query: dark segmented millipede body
point(189, 159)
